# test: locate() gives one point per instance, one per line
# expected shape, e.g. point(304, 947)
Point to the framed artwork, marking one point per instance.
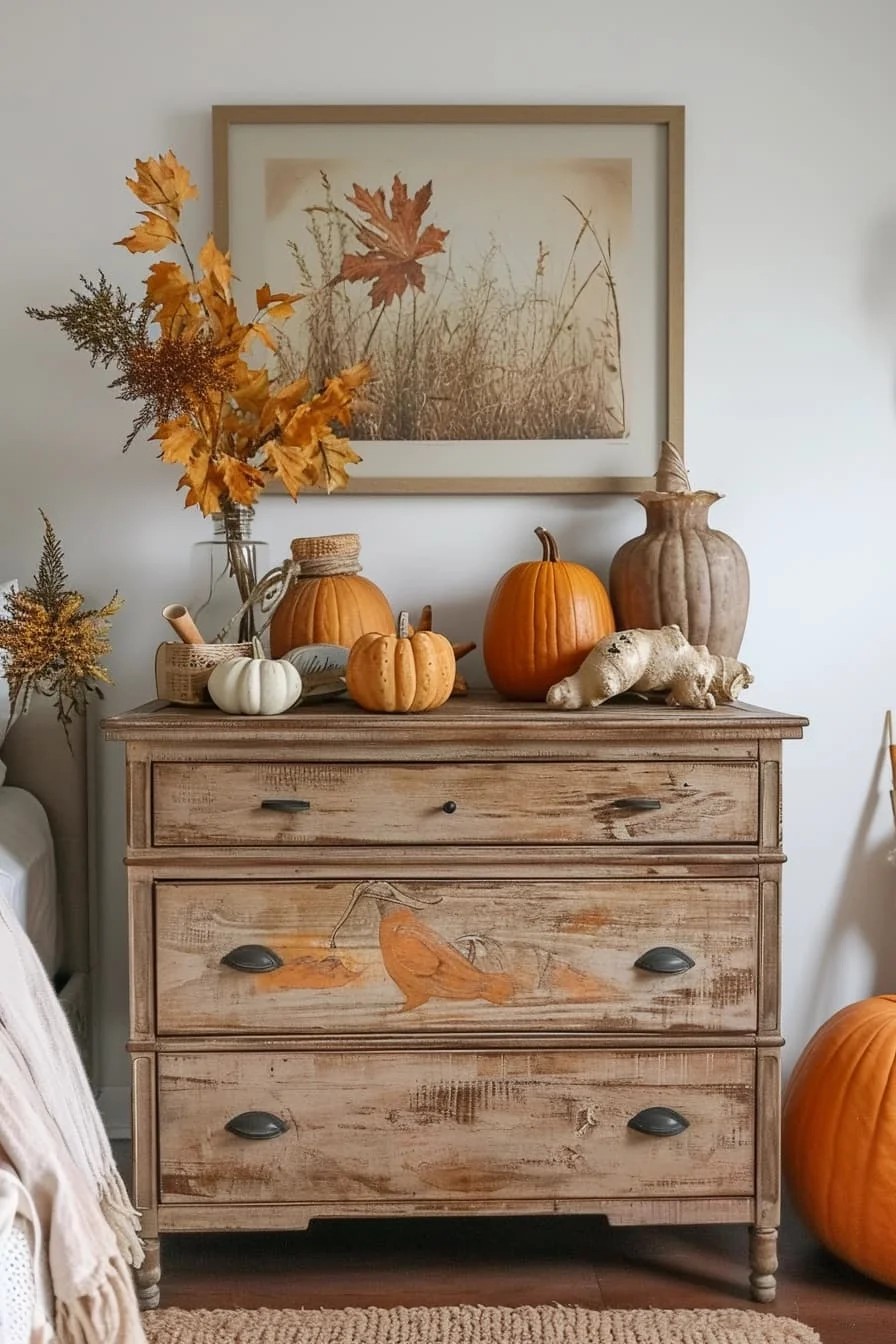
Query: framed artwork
point(514, 275)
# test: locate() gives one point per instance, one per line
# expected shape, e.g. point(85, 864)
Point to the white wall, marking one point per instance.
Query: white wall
point(790, 360)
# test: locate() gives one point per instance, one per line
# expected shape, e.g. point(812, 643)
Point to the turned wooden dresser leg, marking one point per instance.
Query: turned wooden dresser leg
point(146, 1278)
point(763, 1263)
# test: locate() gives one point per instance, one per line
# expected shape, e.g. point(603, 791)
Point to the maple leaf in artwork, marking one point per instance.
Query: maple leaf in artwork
point(393, 241)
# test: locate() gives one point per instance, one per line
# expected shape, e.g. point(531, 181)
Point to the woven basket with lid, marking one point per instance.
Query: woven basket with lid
point(329, 602)
point(340, 547)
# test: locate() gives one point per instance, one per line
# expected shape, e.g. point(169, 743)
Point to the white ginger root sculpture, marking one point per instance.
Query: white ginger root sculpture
point(652, 660)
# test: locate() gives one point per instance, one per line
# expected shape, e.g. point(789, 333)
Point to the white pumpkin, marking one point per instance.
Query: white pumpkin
point(256, 685)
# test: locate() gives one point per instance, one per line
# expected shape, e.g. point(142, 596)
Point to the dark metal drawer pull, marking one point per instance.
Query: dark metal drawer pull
point(256, 1125)
point(658, 1121)
point(665, 961)
point(288, 804)
point(252, 957)
point(449, 806)
point(638, 804)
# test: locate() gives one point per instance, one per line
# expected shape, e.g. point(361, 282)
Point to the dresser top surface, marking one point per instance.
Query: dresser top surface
point(482, 714)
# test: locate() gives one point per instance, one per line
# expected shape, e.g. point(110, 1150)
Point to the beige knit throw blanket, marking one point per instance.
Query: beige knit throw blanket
point(52, 1134)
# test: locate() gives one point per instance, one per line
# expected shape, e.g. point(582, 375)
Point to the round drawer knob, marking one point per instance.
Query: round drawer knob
point(449, 806)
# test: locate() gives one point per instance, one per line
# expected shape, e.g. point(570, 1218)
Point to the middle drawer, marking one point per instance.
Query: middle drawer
point(380, 956)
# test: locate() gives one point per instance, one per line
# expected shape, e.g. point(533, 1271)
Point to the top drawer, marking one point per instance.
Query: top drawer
point(275, 803)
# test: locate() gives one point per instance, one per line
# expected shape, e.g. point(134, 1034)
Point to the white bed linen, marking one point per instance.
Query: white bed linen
point(28, 871)
point(26, 1297)
point(6, 586)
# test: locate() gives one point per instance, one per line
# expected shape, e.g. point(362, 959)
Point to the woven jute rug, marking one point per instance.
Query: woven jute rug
point(473, 1325)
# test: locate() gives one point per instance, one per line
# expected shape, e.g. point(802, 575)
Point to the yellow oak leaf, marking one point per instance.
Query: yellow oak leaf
point(169, 290)
point(223, 319)
point(257, 329)
point(302, 427)
point(334, 455)
point(153, 236)
point(290, 464)
point(264, 298)
point(279, 312)
point(251, 393)
point(335, 402)
point(179, 440)
point(162, 182)
point(243, 481)
point(216, 266)
point(355, 376)
point(285, 400)
point(206, 483)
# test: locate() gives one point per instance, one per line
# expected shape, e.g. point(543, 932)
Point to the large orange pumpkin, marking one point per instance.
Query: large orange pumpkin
point(543, 618)
point(839, 1136)
point(330, 602)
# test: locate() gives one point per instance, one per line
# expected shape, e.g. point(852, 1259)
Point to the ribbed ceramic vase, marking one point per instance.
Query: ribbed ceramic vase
point(681, 571)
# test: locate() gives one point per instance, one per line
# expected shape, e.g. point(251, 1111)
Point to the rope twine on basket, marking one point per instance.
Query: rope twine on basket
point(272, 587)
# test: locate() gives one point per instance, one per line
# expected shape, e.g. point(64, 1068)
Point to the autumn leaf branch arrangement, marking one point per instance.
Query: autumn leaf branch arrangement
point(182, 352)
point(49, 644)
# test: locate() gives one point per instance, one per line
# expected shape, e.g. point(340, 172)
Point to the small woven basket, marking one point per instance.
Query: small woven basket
point(183, 670)
point(337, 546)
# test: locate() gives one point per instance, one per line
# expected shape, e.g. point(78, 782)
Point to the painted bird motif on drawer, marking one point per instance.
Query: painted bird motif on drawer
point(422, 963)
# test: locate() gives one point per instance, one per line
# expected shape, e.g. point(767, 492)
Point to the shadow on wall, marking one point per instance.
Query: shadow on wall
point(866, 902)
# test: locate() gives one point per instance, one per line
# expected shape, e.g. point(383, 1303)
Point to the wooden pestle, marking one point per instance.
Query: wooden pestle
point(182, 624)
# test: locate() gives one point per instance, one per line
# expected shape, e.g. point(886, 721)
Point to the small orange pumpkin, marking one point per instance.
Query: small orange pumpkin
point(839, 1136)
point(329, 602)
point(544, 617)
point(402, 673)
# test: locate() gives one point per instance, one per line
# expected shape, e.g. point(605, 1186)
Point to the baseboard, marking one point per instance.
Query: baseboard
point(115, 1108)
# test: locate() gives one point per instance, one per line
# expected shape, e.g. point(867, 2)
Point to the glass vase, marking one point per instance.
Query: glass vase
point(226, 568)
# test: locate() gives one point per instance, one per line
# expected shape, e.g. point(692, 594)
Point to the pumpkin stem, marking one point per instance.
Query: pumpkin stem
point(257, 650)
point(548, 545)
point(403, 624)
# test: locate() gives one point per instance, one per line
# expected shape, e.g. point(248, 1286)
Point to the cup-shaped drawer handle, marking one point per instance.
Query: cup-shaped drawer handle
point(638, 804)
point(256, 1125)
point(658, 1121)
point(252, 957)
point(665, 961)
point(286, 804)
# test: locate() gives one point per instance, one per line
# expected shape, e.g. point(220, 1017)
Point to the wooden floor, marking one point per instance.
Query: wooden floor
point(519, 1261)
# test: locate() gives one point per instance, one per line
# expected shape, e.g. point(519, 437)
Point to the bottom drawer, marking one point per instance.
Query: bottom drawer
point(455, 1125)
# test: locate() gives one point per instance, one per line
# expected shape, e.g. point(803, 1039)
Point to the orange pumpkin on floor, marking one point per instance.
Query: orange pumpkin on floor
point(839, 1136)
point(544, 617)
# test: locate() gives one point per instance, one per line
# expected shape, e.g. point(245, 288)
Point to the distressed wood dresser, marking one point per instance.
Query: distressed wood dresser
point(492, 959)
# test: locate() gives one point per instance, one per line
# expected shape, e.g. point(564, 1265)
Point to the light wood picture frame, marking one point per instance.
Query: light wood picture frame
point(509, 271)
